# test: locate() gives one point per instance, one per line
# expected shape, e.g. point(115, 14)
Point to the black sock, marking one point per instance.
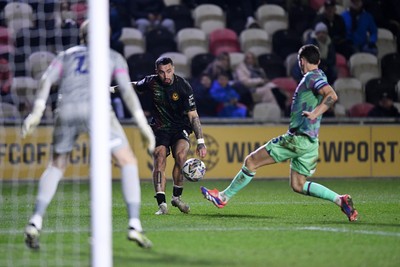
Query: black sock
point(160, 198)
point(177, 191)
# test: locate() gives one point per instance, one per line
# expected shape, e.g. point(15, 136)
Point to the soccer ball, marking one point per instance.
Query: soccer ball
point(194, 170)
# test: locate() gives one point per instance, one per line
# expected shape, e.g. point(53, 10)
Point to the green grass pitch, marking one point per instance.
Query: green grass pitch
point(266, 224)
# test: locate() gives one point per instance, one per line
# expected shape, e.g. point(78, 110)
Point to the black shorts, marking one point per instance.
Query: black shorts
point(169, 139)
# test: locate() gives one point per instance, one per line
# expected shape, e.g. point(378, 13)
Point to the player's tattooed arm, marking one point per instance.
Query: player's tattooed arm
point(196, 126)
point(329, 101)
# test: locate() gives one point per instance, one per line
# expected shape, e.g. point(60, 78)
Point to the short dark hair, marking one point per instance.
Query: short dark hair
point(163, 61)
point(310, 52)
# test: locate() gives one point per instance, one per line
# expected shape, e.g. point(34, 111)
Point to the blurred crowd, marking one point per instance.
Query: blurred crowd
point(230, 78)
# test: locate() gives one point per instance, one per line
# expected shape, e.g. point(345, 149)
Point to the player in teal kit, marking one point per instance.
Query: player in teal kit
point(174, 118)
point(300, 143)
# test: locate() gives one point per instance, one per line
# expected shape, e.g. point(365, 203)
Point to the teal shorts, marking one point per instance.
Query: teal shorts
point(300, 149)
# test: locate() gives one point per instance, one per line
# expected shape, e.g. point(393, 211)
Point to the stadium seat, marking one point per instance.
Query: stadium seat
point(7, 48)
point(364, 66)
point(342, 66)
point(9, 111)
point(374, 88)
point(180, 14)
point(285, 42)
point(339, 9)
point(38, 63)
point(316, 4)
point(290, 61)
point(272, 65)
point(209, 17)
point(133, 41)
point(272, 18)
point(266, 112)
point(159, 41)
point(25, 89)
point(181, 63)
point(256, 41)
point(80, 11)
point(192, 41)
point(200, 62)
point(349, 91)
point(223, 40)
point(390, 66)
point(360, 110)
point(5, 36)
point(288, 84)
point(172, 2)
point(235, 59)
point(386, 42)
point(360, 62)
point(141, 65)
point(16, 13)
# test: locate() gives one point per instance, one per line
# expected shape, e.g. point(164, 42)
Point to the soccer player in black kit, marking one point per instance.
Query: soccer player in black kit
point(174, 118)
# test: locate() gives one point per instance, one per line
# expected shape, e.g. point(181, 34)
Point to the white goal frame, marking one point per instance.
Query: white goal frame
point(100, 167)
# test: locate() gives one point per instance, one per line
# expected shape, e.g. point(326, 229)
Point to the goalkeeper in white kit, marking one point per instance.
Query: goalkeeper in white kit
point(70, 71)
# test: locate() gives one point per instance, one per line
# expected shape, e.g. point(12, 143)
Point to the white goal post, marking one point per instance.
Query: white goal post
point(100, 170)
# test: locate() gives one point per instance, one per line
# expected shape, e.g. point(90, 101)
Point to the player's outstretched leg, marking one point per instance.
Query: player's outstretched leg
point(182, 206)
point(139, 238)
point(348, 208)
point(214, 196)
point(32, 234)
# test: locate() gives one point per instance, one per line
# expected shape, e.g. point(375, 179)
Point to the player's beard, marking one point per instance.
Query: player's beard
point(167, 81)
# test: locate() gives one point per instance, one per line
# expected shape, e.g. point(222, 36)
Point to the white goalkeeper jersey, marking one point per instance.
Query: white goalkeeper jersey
point(70, 71)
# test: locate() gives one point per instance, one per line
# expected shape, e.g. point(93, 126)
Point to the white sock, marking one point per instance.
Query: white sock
point(135, 223)
point(131, 190)
point(47, 188)
point(36, 220)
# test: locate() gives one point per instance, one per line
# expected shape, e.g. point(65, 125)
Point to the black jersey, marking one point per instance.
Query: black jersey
point(171, 103)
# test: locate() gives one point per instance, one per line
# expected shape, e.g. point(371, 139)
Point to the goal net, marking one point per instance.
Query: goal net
point(32, 32)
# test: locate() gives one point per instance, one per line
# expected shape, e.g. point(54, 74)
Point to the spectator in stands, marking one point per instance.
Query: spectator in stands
point(67, 16)
point(221, 64)
point(320, 38)
point(336, 28)
point(116, 25)
point(361, 28)
point(227, 98)
point(6, 78)
point(385, 107)
point(206, 105)
point(147, 15)
point(253, 77)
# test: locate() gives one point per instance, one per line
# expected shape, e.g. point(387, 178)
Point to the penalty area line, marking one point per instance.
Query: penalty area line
point(218, 229)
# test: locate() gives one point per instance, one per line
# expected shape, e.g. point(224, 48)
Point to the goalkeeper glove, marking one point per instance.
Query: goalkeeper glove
point(148, 137)
point(33, 119)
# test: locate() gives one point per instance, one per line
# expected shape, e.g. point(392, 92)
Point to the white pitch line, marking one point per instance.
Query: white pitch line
point(206, 229)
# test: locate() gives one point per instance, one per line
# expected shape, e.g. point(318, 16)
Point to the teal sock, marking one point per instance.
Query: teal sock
point(242, 178)
point(320, 191)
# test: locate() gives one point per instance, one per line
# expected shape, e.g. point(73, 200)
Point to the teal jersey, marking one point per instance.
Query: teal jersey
point(306, 98)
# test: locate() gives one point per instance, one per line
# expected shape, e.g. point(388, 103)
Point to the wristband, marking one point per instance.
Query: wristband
point(200, 141)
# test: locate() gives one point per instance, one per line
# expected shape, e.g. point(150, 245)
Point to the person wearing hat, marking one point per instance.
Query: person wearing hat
point(361, 27)
point(385, 107)
point(336, 28)
point(321, 39)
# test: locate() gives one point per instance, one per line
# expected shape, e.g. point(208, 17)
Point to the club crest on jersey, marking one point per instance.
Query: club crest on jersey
point(175, 96)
